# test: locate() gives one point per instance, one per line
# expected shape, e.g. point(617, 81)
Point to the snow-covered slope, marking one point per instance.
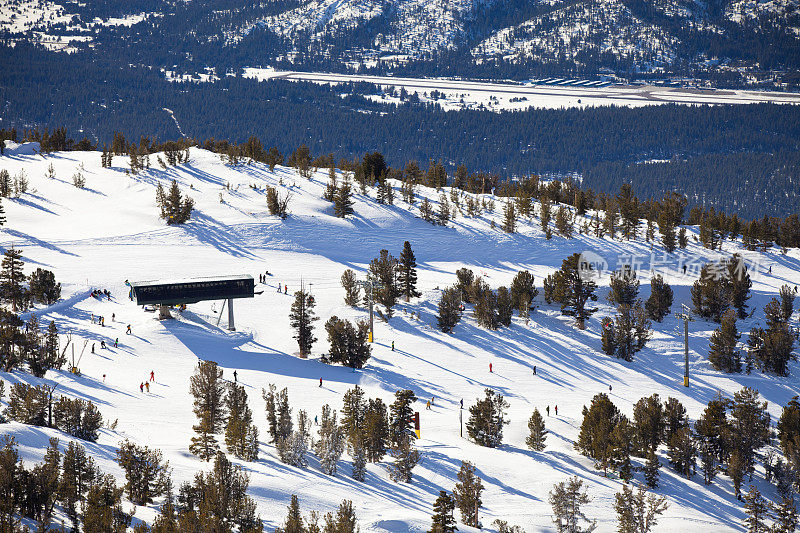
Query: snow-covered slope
point(109, 232)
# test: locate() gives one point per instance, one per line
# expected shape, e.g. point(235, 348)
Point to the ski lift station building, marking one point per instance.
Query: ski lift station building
point(192, 290)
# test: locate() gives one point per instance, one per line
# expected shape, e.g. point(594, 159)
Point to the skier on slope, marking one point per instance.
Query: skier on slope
point(152, 375)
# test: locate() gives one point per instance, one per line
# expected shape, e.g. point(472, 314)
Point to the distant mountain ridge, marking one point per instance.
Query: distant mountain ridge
point(735, 42)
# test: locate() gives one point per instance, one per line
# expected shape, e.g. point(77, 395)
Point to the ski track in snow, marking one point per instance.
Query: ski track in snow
point(100, 236)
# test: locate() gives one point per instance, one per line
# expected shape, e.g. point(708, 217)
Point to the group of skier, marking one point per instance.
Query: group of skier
point(146, 384)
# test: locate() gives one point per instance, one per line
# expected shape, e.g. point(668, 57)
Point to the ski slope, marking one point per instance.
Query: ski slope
point(109, 232)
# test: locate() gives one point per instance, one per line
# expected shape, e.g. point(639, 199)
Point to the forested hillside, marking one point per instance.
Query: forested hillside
point(738, 158)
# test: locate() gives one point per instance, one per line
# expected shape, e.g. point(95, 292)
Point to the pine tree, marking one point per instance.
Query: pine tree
point(509, 218)
point(723, 353)
point(2, 215)
point(43, 287)
point(384, 269)
point(651, 470)
point(271, 408)
point(682, 452)
point(102, 508)
point(546, 212)
point(294, 521)
point(241, 435)
point(628, 210)
point(78, 471)
point(401, 416)
point(649, 424)
point(750, 425)
point(740, 284)
point(487, 418)
point(637, 512)
point(683, 240)
point(758, 512)
point(566, 499)
point(354, 413)
point(485, 301)
point(572, 287)
point(405, 459)
point(505, 307)
point(176, 209)
point(785, 516)
point(660, 300)
point(628, 333)
point(343, 201)
point(714, 436)
point(301, 319)
point(597, 439)
point(443, 215)
point(5, 183)
point(623, 287)
point(564, 222)
point(145, 474)
point(330, 446)
point(787, 302)
point(352, 292)
point(359, 464)
point(467, 494)
point(426, 211)
point(12, 278)
point(208, 390)
point(332, 186)
point(523, 292)
point(375, 430)
point(449, 309)
point(407, 273)
point(537, 432)
point(711, 293)
point(443, 521)
point(348, 342)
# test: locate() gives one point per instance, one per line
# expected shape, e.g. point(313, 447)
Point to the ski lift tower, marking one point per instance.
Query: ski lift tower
point(686, 316)
point(369, 287)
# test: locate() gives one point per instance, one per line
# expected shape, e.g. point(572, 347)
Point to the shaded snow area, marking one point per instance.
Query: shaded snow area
point(109, 231)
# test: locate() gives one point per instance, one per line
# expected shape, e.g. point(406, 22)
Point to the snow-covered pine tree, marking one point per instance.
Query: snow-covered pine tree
point(359, 464)
point(637, 512)
point(330, 446)
point(406, 457)
point(566, 499)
